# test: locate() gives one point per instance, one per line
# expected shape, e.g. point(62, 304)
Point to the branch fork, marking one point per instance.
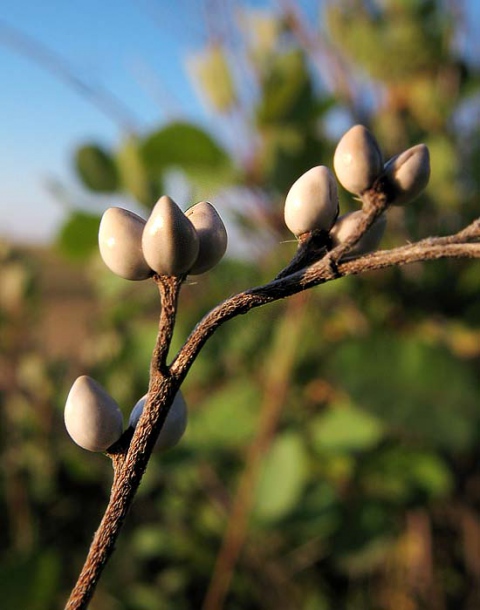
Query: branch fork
point(314, 263)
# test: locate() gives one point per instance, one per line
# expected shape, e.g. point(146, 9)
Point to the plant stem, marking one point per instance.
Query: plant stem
point(169, 288)
point(318, 273)
point(130, 461)
point(130, 458)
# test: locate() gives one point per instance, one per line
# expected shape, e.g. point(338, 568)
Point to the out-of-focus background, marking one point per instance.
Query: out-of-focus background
point(332, 458)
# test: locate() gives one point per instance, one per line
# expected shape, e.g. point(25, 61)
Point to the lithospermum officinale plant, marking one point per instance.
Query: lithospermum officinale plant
point(171, 244)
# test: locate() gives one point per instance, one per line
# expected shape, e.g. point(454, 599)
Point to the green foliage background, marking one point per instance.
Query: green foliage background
point(353, 410)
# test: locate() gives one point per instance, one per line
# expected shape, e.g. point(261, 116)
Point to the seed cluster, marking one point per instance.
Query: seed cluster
point(94, 421)
point(312, 205)
point(173, 243)
point(169, 242)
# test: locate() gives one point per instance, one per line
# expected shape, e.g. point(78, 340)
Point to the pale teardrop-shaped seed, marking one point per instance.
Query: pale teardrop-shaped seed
point(92, 418)
point(212, 236)
point(175, 422)
point(357, 160)
point(170, 243)
point(312, 202)
point(408, 174)
point(120, 244)
point(345, 227)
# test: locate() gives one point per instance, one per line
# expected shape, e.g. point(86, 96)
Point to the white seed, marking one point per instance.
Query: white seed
point(92, 418)
point(345, 226)
point(312, 202)
point(212, 236)
point(408, 174)
point(170, 243)
point(120, 243)
point(357, 160)
point(174, 426)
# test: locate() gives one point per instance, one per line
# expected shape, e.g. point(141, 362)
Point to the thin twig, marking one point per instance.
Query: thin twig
point(169, 288)
point(130, 461)
point(329, 64)
point(315, 275)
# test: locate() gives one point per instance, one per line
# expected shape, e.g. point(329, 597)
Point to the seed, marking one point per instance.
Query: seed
point(170, 243)
point(312, 202)
point(357, 160)
point(175, 422)
point(92, 418)
point(408, 174)
point(120, 243)
point(212, 236)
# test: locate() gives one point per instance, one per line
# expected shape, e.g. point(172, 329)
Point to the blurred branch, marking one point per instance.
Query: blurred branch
point(275, 389)
point(101, 98)
point(329, 64)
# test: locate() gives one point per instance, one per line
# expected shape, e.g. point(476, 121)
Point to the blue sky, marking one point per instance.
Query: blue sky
point(131, 48)
point(127, 47)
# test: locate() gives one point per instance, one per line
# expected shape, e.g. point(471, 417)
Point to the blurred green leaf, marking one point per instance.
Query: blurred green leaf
point(134, 175)
point(431, 475)
point(149, 541)
point(287, 94)
point(287, 153)
point(369, 558)
point(262, 28)
point(189, 148)
point(318, 514)
point(44, 586)
point(404, 475)
point(211, 70)
point(227, 418)
point(443, 186)
point(361, 545)
point(144, 334)
point(344, 427)
point(96, 168)
point(16, 281)
point(78, 238)
point(30, 583)
point(282, 479)
point(414, 387)
point(398, 29)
